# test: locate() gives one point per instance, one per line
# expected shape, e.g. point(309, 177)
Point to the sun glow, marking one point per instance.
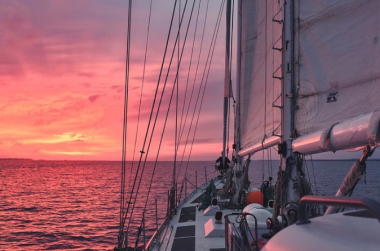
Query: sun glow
point(67, 153)
point(65, 137)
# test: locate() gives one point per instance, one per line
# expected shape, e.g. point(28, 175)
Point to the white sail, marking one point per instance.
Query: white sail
point(338, 74)
point(259, 91)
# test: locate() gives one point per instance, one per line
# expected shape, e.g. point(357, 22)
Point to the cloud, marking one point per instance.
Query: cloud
point(87, 74)
point(93, 98)
point(58, 138)
point(117, 88)
point(57, 38)
point(82, 153)
point(87, 85)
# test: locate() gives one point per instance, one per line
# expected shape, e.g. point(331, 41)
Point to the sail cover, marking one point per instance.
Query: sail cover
point(259, 91)
point(337, 54)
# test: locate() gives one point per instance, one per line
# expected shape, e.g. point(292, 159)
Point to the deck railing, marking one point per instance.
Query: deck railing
point(240, 237)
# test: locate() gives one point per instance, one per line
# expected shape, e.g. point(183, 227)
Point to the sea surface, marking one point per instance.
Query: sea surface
point(75, 205)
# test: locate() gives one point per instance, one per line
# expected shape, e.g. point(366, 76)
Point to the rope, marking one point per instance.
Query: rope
point(151, 114)
point(196, 70)
point(215, 35)
point(208, 61)
point(171, 98)
point(167, 114)
point(312, 166)
point(125, 123)
point(142, 88)
point(161, 98)
point(268, 158)
point(191, 183)
point(176, 143)
point(262, 163)
point(192, 90)
point(190, 63)
point(232, 35)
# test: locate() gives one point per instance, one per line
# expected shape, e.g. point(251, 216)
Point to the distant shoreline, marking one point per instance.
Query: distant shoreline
point(171, 160)
point(15, 159)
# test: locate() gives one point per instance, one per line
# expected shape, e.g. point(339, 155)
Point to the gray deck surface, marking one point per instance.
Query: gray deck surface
point(186, 231)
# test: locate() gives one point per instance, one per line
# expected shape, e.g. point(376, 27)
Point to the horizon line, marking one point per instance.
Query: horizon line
point(351, 159)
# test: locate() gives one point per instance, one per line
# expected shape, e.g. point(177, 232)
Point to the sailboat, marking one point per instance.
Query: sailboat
point(307, 82)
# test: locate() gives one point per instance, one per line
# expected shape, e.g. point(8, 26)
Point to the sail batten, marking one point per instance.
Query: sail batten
point(338, 69)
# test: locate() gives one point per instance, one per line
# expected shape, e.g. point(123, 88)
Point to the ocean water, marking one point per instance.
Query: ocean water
point(74, 205)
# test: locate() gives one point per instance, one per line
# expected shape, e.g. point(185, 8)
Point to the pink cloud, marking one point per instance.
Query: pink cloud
point(93, 98)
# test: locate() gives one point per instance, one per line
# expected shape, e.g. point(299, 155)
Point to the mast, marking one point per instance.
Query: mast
point(227, 78)
point(238, 84)
point(285, 148)
point(237, 182)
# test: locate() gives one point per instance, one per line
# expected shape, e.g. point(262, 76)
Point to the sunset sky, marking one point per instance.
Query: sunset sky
point(62, 70)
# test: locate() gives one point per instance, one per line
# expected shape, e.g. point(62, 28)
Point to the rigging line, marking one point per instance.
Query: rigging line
point(262, 166)
point(235, 129)
point(190, 64)
point(230, 83)
point(265, 66)
point(155, 121)
point(307, 172)
point(208, 61)
point(125, 119)
point(199, 91)
point(271, 166)
point(166, 118)
point(228, 125)
point(176, 148)
point(200, 107)
point(164, 128)
point(142, 87)
point(196, 71)
point(312, 168)
point(268, 163)
point(122, 190)
point(204, 89)
point(176, 108)
point(193, 86)
point(151, 112)
point(232, 34)
point(160, 101)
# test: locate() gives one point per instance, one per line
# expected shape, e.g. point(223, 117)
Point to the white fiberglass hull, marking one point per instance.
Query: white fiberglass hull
point(339, 232)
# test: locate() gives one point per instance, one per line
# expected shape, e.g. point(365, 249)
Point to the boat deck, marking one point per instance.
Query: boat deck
point(186, 230)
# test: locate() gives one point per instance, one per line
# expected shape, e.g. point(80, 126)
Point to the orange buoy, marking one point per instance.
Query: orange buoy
point(254, 196)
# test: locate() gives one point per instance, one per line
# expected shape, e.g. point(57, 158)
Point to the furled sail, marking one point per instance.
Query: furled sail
point(260, 72)
point(337, 78)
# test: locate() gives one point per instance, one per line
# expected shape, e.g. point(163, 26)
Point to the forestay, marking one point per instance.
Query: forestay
point(337, 74)
point(259, 91)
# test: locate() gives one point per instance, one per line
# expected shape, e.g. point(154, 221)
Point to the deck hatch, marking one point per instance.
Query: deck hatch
point(187, 214)
point(186, 231)
point(184, 244)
